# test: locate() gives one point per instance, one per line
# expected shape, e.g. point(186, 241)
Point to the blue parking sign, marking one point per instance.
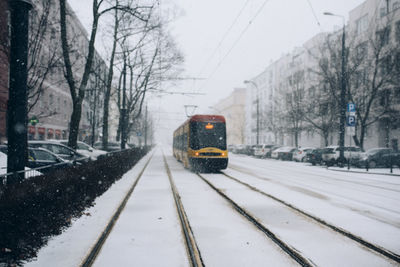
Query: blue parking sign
point(351, 121)
point(351, 107)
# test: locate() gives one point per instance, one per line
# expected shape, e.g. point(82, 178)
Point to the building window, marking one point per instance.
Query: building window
point(382, 11)
point(362, 24)
point(383, 36)
point(397, 31)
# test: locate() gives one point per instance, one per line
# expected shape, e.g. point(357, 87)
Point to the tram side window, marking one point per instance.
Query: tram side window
point(185, 141)
point(181, 142)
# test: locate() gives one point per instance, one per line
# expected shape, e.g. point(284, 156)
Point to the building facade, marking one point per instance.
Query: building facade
point(232, 108)
point(290, 103)
point(49, 98)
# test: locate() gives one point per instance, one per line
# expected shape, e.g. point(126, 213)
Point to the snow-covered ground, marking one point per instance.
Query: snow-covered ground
point(148, 232)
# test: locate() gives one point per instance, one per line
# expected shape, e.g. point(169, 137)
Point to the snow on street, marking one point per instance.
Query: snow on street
point(149, 233)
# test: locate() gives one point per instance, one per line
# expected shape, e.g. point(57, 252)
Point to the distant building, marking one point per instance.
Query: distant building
point(232, 108)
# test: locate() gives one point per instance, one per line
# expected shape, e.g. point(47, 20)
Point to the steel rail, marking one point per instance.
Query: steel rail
point(389, 254)
point(191, 245)
point(91, 257)
point(285, 247)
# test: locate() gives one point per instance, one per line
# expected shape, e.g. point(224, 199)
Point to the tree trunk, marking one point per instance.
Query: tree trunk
point(74, 122)
point(109, 84)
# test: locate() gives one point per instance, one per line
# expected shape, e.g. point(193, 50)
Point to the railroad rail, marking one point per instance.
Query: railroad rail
point(91, 256)
point(285, 247)
point(382, 251)
point(191, 245)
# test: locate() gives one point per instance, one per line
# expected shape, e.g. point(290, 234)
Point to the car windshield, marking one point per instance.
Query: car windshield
point(43, 155)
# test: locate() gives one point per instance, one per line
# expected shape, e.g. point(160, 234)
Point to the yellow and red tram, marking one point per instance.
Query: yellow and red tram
point(200, 143)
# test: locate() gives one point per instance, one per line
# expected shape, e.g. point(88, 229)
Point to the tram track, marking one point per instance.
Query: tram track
point(191, 245)
point(375, 248)
point(284, 246)
point(94, 252)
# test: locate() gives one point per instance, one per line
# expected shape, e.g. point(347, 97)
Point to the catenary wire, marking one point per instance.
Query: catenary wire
point(234, 44)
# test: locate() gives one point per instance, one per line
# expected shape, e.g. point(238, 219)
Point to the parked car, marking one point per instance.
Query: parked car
point(85, 149)
point(273, 148)
point(40, 157)
point(330, 155)
point(248, 150)
point(315, 156)
point(301, 153)
point(111, 146)
point(60, 150)
point(283, 153)
point(261, 151)
point(379, 157)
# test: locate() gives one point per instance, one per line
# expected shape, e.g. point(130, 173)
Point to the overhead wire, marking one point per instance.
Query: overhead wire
point(313, 11)
point(223, 37)
point(235, 43)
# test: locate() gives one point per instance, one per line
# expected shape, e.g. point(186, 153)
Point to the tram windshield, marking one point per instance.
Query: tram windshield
point(204, 134)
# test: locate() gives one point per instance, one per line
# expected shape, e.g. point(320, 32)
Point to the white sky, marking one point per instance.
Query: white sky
point(199, 28)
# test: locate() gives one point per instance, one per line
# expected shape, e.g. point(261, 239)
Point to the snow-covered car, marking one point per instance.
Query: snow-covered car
point(283, 153)
point(261, 151)
point(60, 150)
point(331, 154)
point(111, 146)
point(86, 150)
point(378, 157)
point(301, 153)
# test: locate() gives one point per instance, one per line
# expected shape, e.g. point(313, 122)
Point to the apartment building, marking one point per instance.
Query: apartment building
point(289, 102)
point(49, 99)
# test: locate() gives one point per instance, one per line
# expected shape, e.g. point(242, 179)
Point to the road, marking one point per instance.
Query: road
point(258, 212)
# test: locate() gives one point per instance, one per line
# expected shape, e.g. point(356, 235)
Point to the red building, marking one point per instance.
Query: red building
point(4, 67)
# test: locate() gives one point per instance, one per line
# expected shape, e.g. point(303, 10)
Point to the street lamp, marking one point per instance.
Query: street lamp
point(258, 109)
point(342, 91)
point(17, 101)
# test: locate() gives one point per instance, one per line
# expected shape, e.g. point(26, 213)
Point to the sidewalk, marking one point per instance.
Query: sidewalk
point(380, 171)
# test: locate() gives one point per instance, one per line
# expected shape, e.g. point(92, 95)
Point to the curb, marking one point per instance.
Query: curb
point(389, 174)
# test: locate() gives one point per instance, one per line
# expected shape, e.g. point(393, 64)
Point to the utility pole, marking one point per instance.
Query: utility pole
point(123, 110)
point(17, 102)
point(342, 98)
point(145, 128)
point(342, 91)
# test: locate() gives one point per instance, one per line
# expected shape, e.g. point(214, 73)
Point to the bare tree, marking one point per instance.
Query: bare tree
point(376, 79)
point(78, 86)
point(294, 102)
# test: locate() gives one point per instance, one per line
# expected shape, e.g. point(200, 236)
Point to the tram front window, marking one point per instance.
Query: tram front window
point(204, 134)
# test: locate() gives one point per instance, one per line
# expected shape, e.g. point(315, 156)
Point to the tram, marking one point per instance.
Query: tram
point(200, 143)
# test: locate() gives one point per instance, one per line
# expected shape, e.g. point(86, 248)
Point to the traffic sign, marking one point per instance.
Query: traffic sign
point(351, 107)
point(351, 121)
point(34, 120)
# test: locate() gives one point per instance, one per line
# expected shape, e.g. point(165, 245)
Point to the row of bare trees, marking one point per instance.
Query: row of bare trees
point(371, 74)
point(141, 54)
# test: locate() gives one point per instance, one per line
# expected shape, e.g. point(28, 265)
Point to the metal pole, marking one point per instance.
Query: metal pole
point(17, 102)
point(145, 128)
point(258, 119)
point(123, 111)
point(342, 100)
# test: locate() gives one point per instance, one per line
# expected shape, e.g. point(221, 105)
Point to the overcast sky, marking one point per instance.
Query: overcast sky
point(225, 49)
